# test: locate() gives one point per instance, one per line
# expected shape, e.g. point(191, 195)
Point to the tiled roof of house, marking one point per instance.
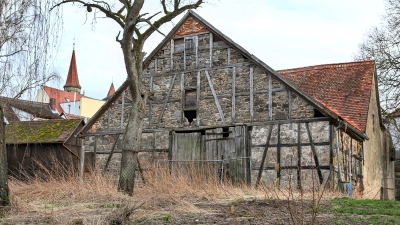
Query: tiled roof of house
point(112, 90)
point(37, 109)
point(72, 79)
point(44, 131)
point(343, 88)
point(61, 96)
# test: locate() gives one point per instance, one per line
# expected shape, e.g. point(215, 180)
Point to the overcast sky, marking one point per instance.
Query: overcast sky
point(283, 33)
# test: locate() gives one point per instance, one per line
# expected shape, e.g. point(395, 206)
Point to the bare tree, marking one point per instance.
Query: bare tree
point(137, 27)
point(28, 39)
point(382, 44)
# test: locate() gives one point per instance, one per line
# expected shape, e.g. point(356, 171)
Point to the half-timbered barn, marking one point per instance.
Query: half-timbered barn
point(210, 100)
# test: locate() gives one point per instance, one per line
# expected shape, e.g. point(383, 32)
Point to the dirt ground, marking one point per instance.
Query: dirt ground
point(169, 212)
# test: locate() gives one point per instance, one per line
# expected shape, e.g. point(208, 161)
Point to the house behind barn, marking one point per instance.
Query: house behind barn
point(211, 100)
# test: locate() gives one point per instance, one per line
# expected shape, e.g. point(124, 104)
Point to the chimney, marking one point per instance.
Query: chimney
point(53, 103)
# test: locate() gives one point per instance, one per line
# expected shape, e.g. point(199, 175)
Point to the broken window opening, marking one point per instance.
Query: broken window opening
point(190, 115)
point(318, 113)
point(225, 132)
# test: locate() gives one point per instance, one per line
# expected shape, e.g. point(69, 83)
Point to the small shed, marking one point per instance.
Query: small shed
point(43, 146)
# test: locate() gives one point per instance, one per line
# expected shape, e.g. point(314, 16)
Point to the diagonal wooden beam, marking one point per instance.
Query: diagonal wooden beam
point(166, 99)
point(264, 156)
point(321, 179)
point(111, 153)
point(221, 114)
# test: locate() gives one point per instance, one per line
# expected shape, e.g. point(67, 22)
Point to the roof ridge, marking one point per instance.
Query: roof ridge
point(326, 66)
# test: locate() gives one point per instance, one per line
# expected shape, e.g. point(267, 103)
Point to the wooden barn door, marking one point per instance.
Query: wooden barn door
point(221, 150)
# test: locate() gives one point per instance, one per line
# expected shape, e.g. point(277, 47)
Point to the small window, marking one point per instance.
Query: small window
point(318, 113)
point(179, 45)
point(190, 98)
point(190, 47)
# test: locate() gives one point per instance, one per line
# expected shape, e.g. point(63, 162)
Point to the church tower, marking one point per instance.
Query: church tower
point(72, 84)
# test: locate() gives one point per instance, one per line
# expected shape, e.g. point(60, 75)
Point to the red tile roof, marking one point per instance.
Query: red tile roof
point(343, 88)
point(72, 79)
point(112, 90)
point(61, 96)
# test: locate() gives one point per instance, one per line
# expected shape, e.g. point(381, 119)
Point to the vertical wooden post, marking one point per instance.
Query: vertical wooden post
point(299, 186)
point(82, 161)
point(211, 49)
point(184, 53)
point(198, 98)
point(123, 108)
point(278, 156)
point(251, 95)
point(270, 96)
point(172, 55)
point(182, 96)
point(331, 155)
point(94, 152)
point(290, 104)
point(4, 191)
point(150, 105)
point(233, 94)
point(260, 170)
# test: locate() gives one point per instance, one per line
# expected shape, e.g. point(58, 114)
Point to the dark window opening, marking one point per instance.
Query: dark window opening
point(178, 45)
point(318, 113)
point(216, 38)
point(225, 132)
point(190, 47)
point(190, 115)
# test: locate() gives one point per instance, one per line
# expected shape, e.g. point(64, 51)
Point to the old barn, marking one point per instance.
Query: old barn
point(209, 100)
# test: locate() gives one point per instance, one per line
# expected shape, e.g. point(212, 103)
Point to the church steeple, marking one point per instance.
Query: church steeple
point(112, 90)
point(72, 84)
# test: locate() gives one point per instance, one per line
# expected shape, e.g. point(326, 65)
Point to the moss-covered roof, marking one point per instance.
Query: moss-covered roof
point(44, 131)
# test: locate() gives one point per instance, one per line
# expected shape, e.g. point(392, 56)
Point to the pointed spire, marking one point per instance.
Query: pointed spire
point(112, 89)
point(72, 84)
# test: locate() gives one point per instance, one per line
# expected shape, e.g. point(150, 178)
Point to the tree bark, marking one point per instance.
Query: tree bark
point(4, 198)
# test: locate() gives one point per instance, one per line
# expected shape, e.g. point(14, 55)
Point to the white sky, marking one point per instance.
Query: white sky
point(283, 33)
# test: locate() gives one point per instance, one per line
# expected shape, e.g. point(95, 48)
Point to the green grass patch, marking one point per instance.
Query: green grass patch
point(365, 207)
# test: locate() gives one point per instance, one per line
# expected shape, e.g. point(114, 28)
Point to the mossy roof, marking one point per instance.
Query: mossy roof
point(43, 131)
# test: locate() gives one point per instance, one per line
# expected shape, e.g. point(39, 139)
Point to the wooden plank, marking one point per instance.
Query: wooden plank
point(290, 168)
point(197, 50)
point(299, 185)
point(321, 179)
point(211, 49)
point(264, 155)
point(166, 99)
point(172, 55)
point(247, 143)
point(94, 152)
point(229, 55)
point(317, 119)
point(111, 153)
point(290, 104)
point(123, 109)
point(278, 156)
point(251, 94)
point(150, 105)
point(163, 74)
point(215, 98)
point(233, 94)
point(331, 155)
point(198, 98)
point(325, 143)
point(184, 52)
point(182, 96)
point(270, 96)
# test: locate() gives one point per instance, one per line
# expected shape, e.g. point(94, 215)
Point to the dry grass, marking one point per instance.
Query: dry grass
point(63, 199)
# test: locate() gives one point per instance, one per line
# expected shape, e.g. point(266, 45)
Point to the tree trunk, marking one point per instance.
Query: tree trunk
point(133, 131)
point(4, 198)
